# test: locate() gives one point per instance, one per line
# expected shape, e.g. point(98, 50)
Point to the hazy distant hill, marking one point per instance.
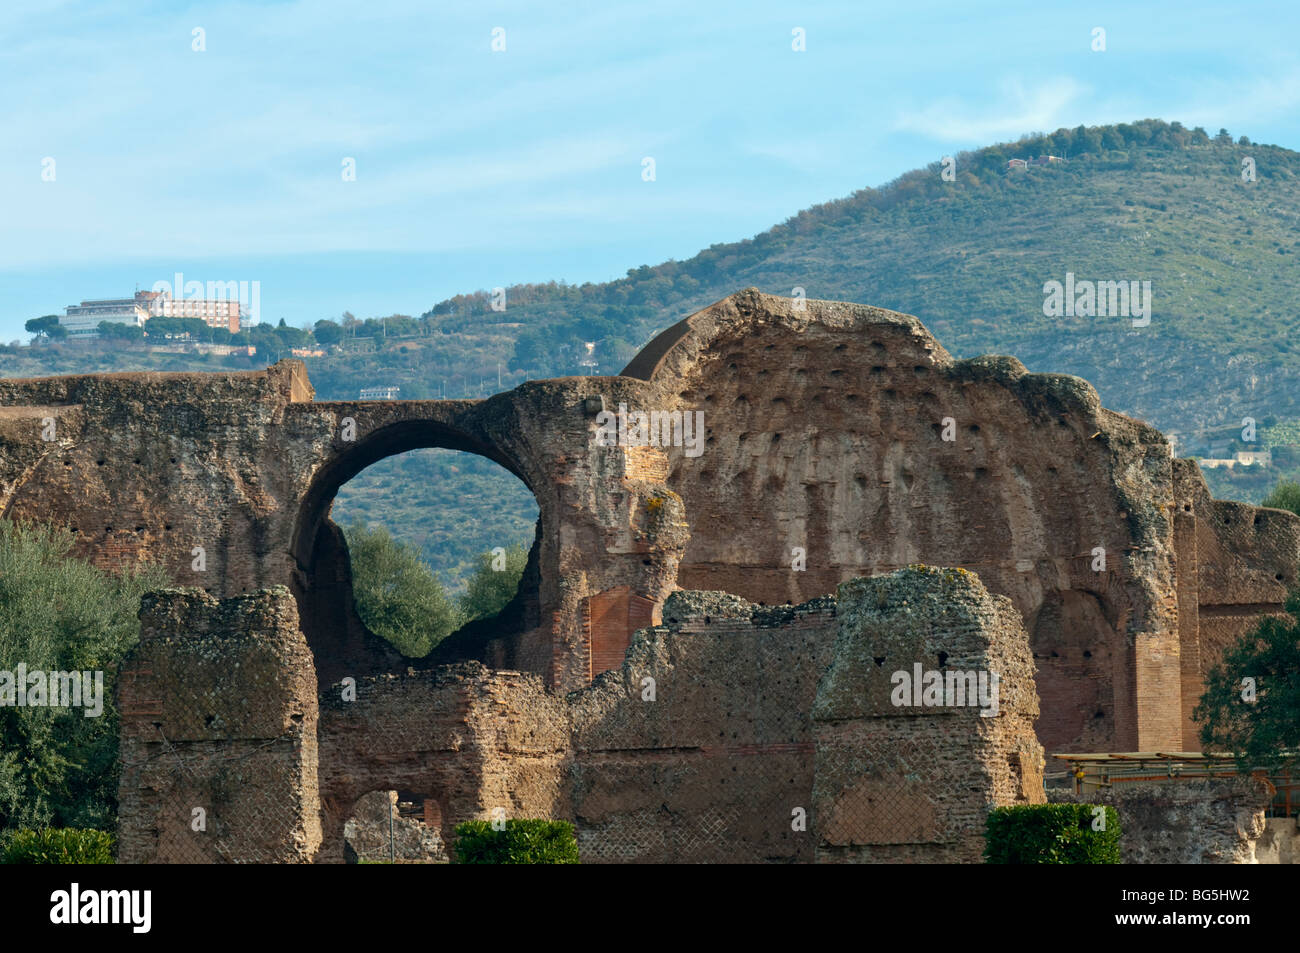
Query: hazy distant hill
point(970, 258)
point(1147, 201)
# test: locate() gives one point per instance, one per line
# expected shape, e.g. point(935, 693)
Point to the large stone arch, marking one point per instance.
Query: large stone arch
point(597, 531)
point(399, 436)
point(824, 426)
point(322, 580)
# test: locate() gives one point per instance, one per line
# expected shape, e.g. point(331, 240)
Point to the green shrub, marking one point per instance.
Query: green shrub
point(1051, 834)
point(524, 841)
point(1284, 496)
point(58, 768)
point(58, 845)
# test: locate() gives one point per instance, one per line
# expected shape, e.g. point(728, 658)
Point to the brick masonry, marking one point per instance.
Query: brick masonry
point(219, 733)
point(826, 428)
point(824, 433)
point(913, 784)
point(730, 733)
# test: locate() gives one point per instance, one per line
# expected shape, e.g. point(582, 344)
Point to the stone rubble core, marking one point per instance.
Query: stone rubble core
point(841, 442)
point(1196, 821)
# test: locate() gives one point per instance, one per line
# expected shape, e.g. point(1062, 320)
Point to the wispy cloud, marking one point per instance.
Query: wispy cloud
point(1018, 107)
point(534, 154)
point(1243, 99)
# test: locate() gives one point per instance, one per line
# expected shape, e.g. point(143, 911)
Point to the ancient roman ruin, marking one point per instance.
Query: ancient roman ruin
point(698, 663)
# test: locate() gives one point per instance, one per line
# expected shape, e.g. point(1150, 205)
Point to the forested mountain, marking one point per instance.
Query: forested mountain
point(1211, 223)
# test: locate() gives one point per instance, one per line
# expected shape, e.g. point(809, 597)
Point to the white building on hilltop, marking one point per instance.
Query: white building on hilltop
point(83, 319)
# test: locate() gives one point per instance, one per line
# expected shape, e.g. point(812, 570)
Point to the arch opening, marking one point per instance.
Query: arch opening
point(323, 578)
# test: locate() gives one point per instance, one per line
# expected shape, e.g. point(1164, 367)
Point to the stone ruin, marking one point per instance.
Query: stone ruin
point(841, 445)
point(730, 733)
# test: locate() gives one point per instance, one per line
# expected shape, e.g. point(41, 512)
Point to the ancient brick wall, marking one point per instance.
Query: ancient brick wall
point(824, 458)
point(219, 752)
point(692, 772)
point(470, 739)
point(913, 783)
point(148, 466)
point(226, 480)
point(827, 434)
point(1238, 559)
point(826, 445)
point(700, 747)
point(731, 733)
point(791, 750)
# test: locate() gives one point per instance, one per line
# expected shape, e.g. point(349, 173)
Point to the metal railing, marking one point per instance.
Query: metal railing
point(1093, 772)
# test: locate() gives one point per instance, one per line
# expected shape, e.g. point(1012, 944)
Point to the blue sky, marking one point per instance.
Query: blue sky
point(477, 168)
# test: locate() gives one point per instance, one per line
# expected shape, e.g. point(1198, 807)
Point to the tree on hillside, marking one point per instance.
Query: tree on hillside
point(533, 349)
point(197, 329)
point(1284, 496)
point(292, 337)
point(161, 326)
point(1251, 705)
point(117, 331)
point(57, 766)
point(401, 325)
point(494, 583)
point(397, 595)
point(46, 326)
point(268, 342)
point(327, 332)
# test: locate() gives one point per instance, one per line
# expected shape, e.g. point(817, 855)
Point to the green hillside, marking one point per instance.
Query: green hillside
point(1147, 201)
point(451, 505)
